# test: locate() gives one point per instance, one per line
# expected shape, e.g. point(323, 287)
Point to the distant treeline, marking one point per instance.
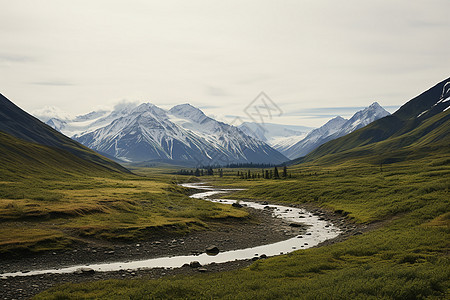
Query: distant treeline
point(239, 166)
point(201, 172)
point(266, 174)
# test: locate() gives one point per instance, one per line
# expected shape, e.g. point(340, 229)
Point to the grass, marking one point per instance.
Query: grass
point(116, 208)
point(405, 258)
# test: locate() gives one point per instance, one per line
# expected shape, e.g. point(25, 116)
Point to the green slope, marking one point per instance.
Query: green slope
point(18, 123)
point(22, 159)
point(418, 126)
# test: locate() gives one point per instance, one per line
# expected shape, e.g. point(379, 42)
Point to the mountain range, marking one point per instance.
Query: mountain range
point(183, 134)
point(417, 129)
point(334, 129)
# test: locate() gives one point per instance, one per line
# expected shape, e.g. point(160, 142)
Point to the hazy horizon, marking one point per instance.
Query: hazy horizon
point(313, 59)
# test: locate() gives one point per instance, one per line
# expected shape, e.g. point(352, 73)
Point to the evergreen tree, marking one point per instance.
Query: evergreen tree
point(284, 171)
point(197, 172)
point(275, 173)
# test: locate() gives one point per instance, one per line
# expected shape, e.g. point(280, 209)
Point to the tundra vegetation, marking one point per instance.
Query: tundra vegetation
point(56, 211)
point(405, 256)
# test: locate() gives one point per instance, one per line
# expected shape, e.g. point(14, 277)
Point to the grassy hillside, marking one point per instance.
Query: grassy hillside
point(432, 135)
point(417, 120)
point(404, 257)
point(18, 123)
point(51, 199)
point(22, 159)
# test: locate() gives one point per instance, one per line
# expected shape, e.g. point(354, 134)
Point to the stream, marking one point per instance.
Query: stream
point(318, 231)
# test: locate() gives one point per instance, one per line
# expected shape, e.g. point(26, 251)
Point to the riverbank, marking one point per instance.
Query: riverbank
point(229, 235)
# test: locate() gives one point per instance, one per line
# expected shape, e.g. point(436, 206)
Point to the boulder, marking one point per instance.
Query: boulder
point(212, 250)
point(237, 205)
point(195, 264)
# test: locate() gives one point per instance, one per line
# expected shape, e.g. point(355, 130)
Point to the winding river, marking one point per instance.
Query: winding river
point(317, 232)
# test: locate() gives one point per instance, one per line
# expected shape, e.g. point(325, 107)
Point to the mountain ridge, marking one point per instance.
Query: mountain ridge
point(421, 123)
point(183, 133)
point(334, 129)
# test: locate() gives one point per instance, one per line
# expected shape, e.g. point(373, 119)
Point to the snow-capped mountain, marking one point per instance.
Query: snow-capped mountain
point(334, 129)
point(184, 134)
point(279, 137)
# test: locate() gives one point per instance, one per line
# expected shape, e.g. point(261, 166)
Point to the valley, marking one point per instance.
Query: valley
point(408, 240)
point(384, 187)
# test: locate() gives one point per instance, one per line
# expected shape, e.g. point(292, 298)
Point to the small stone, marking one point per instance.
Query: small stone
point(263, 256)
point(84, 271)
point(202, 270)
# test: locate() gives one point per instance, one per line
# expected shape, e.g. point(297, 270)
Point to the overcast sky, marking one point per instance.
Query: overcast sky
point(314, 59)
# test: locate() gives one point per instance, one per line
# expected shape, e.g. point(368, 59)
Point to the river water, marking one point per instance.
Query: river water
point(317, 232)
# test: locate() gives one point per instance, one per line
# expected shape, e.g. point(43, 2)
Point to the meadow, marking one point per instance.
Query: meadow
point(404, 257)
point(56, 212)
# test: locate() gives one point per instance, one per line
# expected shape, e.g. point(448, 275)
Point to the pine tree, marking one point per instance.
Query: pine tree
point(275, 173)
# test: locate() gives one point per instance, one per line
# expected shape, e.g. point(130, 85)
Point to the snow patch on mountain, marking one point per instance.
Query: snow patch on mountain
point(184, 133)
point(335, 128)
point(277, 136)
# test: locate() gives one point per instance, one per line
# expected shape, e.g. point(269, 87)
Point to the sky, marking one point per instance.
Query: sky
point(311, 59)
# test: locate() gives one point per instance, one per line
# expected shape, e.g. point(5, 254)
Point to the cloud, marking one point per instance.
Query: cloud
point(331, 112)
point(53, 83)
point(216, 91)
point(122, 104)
point(14, 58)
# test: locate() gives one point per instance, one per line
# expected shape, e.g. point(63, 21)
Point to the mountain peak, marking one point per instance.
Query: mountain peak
point(375, 105)
point(149, 107)
point(188, 111)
